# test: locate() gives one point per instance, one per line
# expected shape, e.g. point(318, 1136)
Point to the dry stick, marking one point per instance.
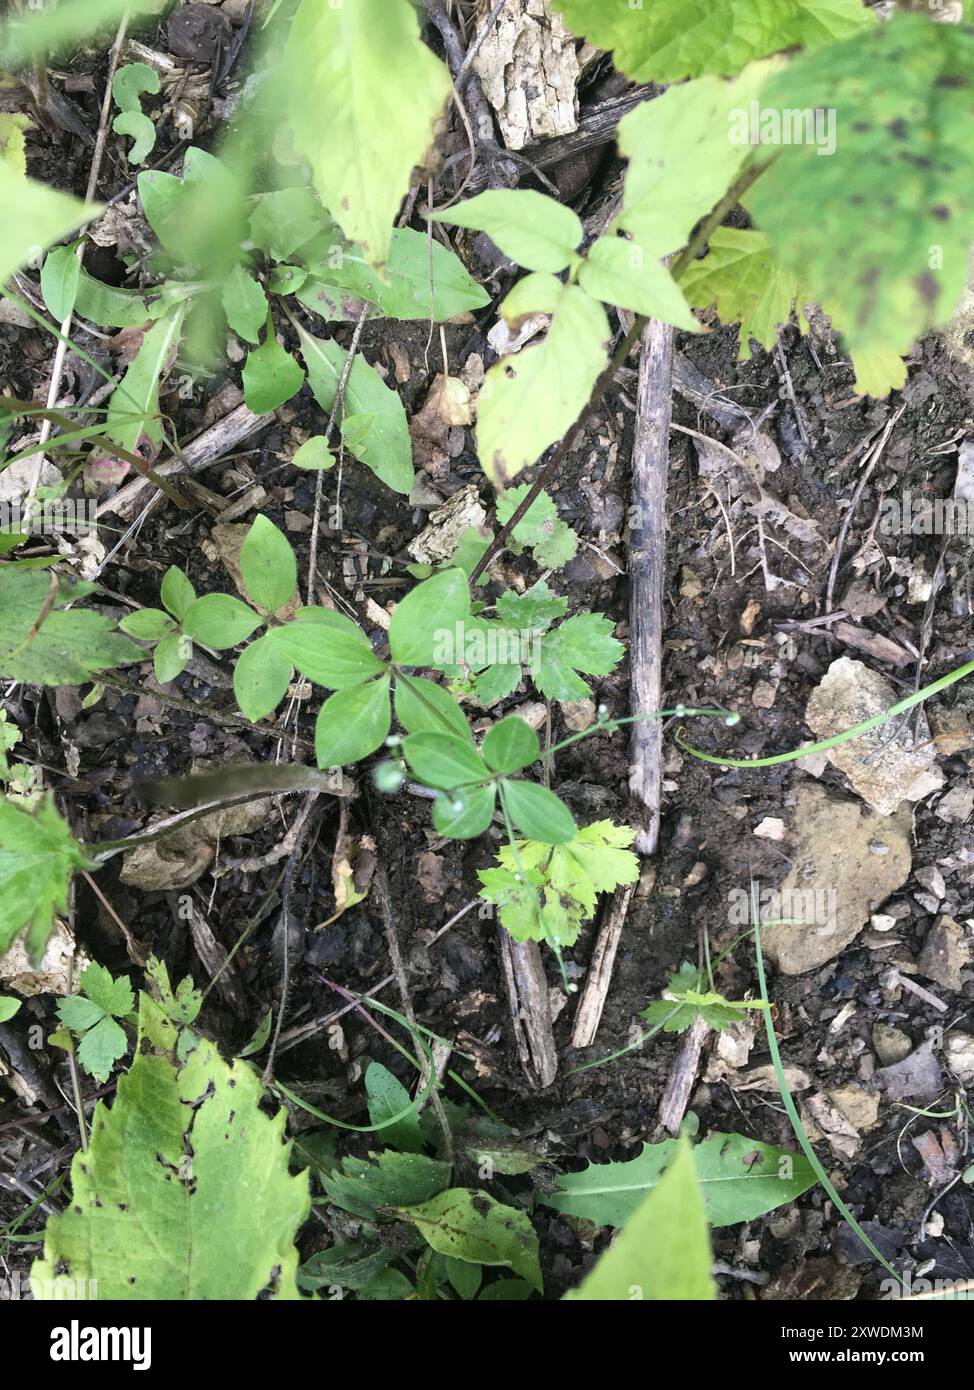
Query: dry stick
point(381, 885)
point(62, 347)
point(339, 400)
point(599, 974)
point(527, 996)
point(198, 454)
point(676, 1097)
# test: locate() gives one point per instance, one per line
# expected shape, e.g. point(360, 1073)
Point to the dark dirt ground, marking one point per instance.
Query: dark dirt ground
point(824, 1019)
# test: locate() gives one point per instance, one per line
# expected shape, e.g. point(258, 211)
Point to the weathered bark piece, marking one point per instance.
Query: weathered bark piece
point(527, 998)
point(647, 564)
point(199, 453)
point(599, 974)
point(529, 70)
point(682, 1078)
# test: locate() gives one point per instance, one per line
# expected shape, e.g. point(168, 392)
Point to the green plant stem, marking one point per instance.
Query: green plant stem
point(873, 723)
point(792, 1110)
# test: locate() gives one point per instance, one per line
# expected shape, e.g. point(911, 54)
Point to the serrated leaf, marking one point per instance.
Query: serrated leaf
point(219, 621)
point(327, 648)
point(899, 145)
point(530, 398)
point(261, 677)
point(671, 39)
point(387, 1097)
point(620, 272)
point(271, 376)
point(427, 617)
point(535, 610)
point(65, 647)
point(101, 1047)
point(353, 723)
point(38, 854)
point(134, 407)
point(663, 1251)
point(468, 1224)
point(391, 1178)
point(682, 158)
point(387, 449)
point(582, 643)
point(268, 566)
point(740, 1179)
point(112, 996)
point(244, 303)
point(748, 285)
point(42, 217)
point(552, 541)
point(361, 72)
point(529, 227)
point(184, 1193)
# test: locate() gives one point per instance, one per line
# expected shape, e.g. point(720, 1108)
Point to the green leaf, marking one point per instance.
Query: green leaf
point(268, 566)
point(538, 813)
point(388, 449)
point(893, 275)
point(101, 1047)
point(511, 745)
point(745, 281)
point(78, 1013)
point(150, 624)
point(443, 760)
point(171, 656)
point(42, 217)
point(663, 1252)
point(270, 375)
point(620, 272)
point(464, 1278)
point(314, 453)
point(387, 1097)
point(67, 648)
point(261, 678)
point(361, 73)
point(184, 1193)
point(200, 218)
point(671, 39)
point(465, 812)
point(37, 857)
point(285, 220)
point(468, 1224)
point(390, 1179)
point(740, 1179)
point(422, 707)
point(529, 399)
point(427, 618)
point(353, 723)
point(425, 280)
point(134, 407)
point(682, 157)
point(530, 228)
point(219, 621)
point(535, 610)
point(129, 83)
point(60, 274)
point(327, 648)
point(112, 996)
point(245, 304)
point(506, 1291)
point(177, 593)
point(553, 543)
point(348, 1265)
point(582, 643)
point(8, 1007)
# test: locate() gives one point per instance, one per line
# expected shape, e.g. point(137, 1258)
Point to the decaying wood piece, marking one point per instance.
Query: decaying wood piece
point(682, 1078)
point(198, 454)
point(529, 71)
point(527, 997)
point(647, 563)
point(596, 127)
point(592, 1001)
